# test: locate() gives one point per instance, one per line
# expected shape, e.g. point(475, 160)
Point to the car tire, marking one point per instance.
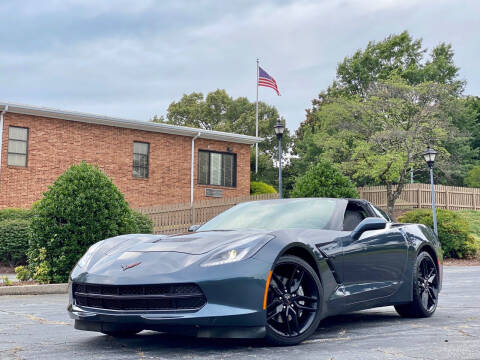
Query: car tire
point(425, 289)
point(293, 301)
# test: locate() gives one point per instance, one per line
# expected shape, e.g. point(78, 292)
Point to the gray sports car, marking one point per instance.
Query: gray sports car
point(269, 269)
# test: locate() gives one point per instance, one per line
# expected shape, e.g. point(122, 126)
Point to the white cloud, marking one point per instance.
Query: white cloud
point(132, 58)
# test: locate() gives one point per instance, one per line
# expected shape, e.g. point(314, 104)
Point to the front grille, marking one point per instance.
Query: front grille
point(139, 297)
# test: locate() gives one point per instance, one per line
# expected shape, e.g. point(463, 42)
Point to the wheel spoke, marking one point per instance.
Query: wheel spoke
point(431, 278)
point(271, 316)
point(273, 304)
point(425, 299)
point(279, 283)
point(276, 290)
point(299, 281)
point(285, 318)
point(305, 308)
point(293, 314)
point(292, 278)
point(305, 298)
point(424, 269)
point(433, 293)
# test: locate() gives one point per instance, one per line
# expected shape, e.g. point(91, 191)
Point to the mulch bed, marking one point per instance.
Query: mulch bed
point(462, 262)
point(20, 283)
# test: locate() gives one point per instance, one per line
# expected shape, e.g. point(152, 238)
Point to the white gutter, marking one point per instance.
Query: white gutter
point(5, 109)
point(192, 170)
point(129, 124)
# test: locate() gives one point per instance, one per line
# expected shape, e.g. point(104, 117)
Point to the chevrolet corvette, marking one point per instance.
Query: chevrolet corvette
point(264, 269)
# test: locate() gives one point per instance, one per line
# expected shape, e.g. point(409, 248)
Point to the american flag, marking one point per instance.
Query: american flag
point(266, 80)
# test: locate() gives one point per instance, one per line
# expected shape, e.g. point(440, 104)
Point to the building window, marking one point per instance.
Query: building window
point(140, 159)
point(17, 146)
point(216, 168)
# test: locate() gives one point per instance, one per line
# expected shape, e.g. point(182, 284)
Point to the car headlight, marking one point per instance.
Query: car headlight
point(85, 259)
point(240, 250)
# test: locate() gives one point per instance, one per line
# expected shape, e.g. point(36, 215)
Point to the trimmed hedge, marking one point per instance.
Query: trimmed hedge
point(82, 207)
point(9, 214)
point(143, 223)
point(259, 187)
point(14, 239)
point(454, 231)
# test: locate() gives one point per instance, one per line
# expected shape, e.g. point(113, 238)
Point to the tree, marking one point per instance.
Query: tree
point(379, 137)
point(473, 177)
point(374, 108)
point(82, 207)
point(324, 180)
point(218, 111)
point(397, 56)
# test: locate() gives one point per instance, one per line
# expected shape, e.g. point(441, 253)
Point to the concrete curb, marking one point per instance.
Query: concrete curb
point(34, 289)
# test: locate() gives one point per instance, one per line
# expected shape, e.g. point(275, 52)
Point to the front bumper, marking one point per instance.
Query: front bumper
point(234, 306)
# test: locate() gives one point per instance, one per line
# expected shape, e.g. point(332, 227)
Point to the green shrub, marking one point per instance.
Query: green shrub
point(6, 281)
point(453, 231)
point(473, 177)
point(42, 271)
point(143, 223)
point(472, 217)
point(324, 180)
point(14, 237)
point(9, 214)
point(82, 207)
point(23, 274)
point(258, 187)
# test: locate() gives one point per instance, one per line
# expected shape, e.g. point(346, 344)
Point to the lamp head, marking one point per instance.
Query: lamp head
point(279, 128)
point(429, 156)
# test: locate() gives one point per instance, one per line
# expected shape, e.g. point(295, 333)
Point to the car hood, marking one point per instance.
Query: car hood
point(193, 243)
point(159, 253)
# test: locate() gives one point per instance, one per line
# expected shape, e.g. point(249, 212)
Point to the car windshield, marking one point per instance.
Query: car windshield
point(275, 215)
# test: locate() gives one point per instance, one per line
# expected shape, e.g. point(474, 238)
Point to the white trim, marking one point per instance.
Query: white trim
point(4, 110)
point(192, 168)
point(126, 123)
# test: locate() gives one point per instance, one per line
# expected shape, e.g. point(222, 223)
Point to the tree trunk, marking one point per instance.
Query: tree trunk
point(390, 201)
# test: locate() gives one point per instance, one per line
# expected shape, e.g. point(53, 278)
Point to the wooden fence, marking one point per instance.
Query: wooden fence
point(177, 218)
point(419, 196)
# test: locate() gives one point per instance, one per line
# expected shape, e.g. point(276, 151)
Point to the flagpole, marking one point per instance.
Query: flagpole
point(256, 127)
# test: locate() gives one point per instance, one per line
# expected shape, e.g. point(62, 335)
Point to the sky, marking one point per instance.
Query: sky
point(132, 58)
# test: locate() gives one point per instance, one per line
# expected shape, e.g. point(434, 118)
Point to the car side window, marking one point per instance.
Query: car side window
point(381, 213)
point(354, 214)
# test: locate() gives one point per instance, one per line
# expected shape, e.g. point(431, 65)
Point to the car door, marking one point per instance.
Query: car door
point(374, 263)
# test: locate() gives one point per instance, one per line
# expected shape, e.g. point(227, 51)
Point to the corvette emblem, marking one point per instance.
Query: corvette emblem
point(126, 267)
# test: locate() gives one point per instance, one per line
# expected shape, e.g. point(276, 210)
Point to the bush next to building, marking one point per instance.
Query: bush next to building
point(14, 237)
point(259, 187)
point(82, 207)
point(144, 225)
point(454, 231)
point(324, 180)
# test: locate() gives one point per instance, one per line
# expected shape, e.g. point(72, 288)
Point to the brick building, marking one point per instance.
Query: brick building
point(152, 164)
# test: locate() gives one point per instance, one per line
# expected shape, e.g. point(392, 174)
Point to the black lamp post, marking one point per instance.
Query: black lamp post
point(279, 129)
point(429, 157)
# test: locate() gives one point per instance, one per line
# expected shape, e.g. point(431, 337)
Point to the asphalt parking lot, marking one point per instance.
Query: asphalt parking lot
point(38, 327)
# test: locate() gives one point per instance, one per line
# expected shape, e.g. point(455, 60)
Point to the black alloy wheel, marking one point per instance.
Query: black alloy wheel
point(425, 289)
point(293, 302)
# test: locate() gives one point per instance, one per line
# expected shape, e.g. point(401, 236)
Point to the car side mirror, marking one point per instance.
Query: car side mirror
point(193, 228)
point(369, 223)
